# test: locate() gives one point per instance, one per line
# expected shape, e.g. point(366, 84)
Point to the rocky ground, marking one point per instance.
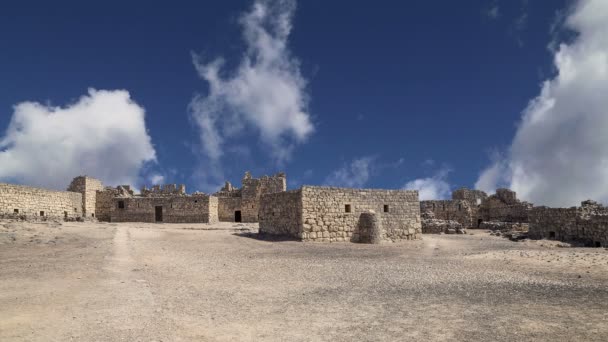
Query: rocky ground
point(146, 282)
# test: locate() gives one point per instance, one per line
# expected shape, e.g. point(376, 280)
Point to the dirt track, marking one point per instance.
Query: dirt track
point(143, 282)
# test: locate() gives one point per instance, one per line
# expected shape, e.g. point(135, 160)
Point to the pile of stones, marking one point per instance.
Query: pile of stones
point(431, 225)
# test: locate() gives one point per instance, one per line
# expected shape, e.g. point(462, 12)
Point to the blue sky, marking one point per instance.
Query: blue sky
point(386, 95)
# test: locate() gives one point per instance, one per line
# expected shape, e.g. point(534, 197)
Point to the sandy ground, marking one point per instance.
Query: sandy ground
point(146, 282)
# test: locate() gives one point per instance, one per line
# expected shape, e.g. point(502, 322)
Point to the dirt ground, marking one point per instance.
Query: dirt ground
point(147, 282)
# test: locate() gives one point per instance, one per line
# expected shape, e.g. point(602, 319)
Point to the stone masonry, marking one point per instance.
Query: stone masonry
point(169, 204)
point(587, 224)
point(88, 187)
point(30, 203)
point(470, 208)
point(329, 214)
point(243, 204)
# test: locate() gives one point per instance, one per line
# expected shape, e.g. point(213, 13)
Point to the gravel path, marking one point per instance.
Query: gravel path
point(145, 282)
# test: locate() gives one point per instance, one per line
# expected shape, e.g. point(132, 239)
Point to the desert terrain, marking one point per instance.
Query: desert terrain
point(199, 282)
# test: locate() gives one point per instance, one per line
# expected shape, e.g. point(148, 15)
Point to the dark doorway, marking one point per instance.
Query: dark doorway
point(159, 213)
point(237, 216)
point(479, 223)
point(598, 244)
point(552, 235)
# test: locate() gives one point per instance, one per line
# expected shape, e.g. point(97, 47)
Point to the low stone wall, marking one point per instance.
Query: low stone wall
point(281, 214)
point(587, 224)
point(436, 226)
point(505, 226)
point(34, 203)
point(179, 209)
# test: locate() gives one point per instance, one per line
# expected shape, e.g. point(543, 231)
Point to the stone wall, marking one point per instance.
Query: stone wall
point(504, 207)
point(178, 209)
point(227, 208)
point(474, 197)
point(104, 203)
point(165, 190)
point(88, 187)
point(328, 214)
point(247, 198)
point(281, 214)
point(460, 211)
point(36, 203)
point(332, 214)
point(588, 224)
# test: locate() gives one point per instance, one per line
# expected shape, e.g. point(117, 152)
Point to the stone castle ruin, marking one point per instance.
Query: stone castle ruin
point(474, 209)
point(310, 213)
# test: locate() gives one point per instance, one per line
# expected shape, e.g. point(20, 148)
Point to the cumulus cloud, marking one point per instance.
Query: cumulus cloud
point(266, 93)
point(102, 135)
point(558, 156)
point(431, 188)
point(352, 175)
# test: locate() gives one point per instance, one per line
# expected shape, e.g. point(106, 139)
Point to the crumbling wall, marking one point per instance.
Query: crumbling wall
point(253, 189)
point(332, 214)
point(460, 211)
point(247, 198)
point(175, 209)
point(474, 197)
point(588, 224)
point(281, 214)
point(36, 203)
point(165, 190)
point(504, 207)
point(88, 187)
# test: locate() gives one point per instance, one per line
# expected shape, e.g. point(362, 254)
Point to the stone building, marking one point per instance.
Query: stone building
point(242, 205)
point(169, 204)
point(587, 224)
point(328, 214)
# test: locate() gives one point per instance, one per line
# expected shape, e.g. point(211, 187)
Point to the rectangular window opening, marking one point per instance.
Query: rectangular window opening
point(65, 214)
point(41, 213)
point(386, 208)
point(121, 204)
point(347, 208)
point(93, 215)
point(16, 211)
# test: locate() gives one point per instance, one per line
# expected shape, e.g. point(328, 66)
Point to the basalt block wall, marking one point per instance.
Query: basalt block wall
point(329, 214)
point(184, 209)
point(36, 202)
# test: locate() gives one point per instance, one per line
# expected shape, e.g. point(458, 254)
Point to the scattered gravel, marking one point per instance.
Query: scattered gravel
point(200, 282)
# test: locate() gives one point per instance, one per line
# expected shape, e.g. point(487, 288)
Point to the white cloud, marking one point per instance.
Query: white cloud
point(156, 179)
point(266, 94)
point(102, 135)
point(558, 156)
point(352, 175)
point(431, 188)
